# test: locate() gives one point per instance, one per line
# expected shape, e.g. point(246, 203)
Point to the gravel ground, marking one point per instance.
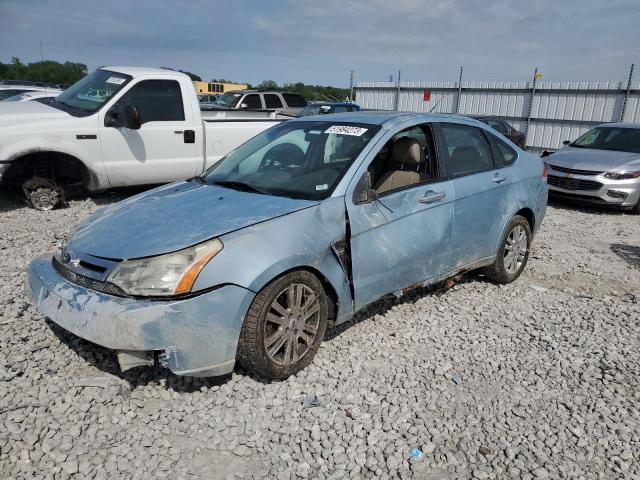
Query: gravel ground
point(537, 379)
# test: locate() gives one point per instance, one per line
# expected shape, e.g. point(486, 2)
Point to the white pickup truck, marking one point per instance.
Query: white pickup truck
point(118, 126)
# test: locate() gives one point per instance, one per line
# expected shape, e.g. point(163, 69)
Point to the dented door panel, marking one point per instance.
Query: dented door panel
point(399, 240)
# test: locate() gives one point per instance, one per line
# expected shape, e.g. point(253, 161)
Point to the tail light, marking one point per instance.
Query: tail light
point(544, 171)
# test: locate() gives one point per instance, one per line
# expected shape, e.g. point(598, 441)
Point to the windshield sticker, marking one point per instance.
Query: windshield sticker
point(346, 130)
point(115, 80)
point(322, 187)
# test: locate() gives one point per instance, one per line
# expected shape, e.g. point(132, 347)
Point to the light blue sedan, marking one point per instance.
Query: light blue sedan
point(294, 231)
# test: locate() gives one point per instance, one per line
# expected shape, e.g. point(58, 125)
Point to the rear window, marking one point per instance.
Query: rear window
point(294, 100)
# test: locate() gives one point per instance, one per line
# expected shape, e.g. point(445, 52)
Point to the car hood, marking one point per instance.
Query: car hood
point(16, 113)
point(590, 159)
point(174, 217)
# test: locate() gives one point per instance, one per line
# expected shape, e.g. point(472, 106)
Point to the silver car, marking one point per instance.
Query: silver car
point(602, 167)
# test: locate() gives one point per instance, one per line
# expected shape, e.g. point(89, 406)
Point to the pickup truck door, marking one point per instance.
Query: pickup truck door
point(168, 145)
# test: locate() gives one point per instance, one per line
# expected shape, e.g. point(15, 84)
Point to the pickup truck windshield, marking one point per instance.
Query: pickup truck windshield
point(620, 139)
point(293, 159)
point(229, 99)
point(91, 92)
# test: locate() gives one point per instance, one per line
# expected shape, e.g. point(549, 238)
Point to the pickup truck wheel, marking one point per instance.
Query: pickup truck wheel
point(43, 194)
point(284, 326)
point(513, 253)
point(44, 199)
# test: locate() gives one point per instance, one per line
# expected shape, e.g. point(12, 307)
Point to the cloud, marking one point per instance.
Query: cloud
point(319, 42)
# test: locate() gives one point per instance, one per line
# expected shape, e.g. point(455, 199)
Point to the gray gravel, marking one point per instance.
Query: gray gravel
point(537, 379)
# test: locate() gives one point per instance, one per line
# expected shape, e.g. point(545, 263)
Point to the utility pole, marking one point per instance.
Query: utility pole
point(397, 99)
point(533, 93)
point(627, 93)
point(41, 52)
point(459, 92)
point(391, 78)
point(351, 86)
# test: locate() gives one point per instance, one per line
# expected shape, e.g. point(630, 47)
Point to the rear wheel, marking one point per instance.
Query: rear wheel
point(284, 326)
point(513, 253)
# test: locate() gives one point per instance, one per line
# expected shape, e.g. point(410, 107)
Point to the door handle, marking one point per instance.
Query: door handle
point(189, 136)
point(498, 178)
point(432, 197)
point(178, 132)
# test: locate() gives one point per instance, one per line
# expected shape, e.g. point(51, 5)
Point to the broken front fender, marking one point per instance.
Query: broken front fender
point(198, 336)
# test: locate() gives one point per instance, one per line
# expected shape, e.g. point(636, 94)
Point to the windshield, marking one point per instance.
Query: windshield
point(314, 110)
point(610, 138)
point(91, 92)
point(228, 99)
point(293, 159)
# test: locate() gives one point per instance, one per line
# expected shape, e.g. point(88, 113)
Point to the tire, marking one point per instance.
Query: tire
point(506, 270)
point(635, 210)
point(275, 340)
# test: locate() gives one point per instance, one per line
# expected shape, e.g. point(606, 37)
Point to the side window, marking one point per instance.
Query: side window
point(294, 100)
point(339, 109)
point(252, 101)
point(466, 149)
point(498, 126)
point(271, 100)
point(156, 101)
point(504, 153)
point(408, 158)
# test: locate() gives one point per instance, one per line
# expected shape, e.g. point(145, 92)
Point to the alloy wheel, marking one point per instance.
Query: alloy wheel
point(291, 324)
point(515, 249)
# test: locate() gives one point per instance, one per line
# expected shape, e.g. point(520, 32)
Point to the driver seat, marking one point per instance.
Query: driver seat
point(407, 158)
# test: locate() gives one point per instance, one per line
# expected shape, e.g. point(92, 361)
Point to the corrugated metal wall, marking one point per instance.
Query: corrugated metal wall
point(559, 110)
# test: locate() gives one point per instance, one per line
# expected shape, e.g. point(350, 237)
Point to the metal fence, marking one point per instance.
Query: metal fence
point(549, 112)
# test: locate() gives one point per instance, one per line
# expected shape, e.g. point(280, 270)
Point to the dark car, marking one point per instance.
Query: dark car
point(504, 128)
point(319, 108)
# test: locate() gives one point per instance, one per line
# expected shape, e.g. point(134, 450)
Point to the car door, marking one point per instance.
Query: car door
point(404, 236)
point(164, 149)
point(484, 191)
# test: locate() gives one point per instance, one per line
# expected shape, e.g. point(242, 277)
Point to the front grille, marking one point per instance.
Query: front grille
point(574, 171)
point(569, 183)
point(86, 282)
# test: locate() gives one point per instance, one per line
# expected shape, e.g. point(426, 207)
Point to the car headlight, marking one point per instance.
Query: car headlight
point(623, 175)
point(165, 275)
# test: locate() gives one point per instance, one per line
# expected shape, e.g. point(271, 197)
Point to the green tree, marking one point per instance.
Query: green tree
point(268, 85)
point(46, 71)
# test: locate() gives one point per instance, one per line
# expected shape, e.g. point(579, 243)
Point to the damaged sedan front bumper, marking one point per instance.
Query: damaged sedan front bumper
point(195, 336)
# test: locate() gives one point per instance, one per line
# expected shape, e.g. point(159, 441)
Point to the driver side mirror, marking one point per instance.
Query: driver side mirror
point(111, 119)
point(244, 105)
point(566, 142)
point(132, 118)
point(545, 153)
point(363, 193)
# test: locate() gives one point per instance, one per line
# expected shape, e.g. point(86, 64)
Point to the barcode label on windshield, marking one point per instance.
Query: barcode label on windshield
point(115, 80)
point(346, 130)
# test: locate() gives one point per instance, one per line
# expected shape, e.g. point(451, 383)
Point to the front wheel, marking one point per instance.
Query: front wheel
point(513, 253)
point(284, 326)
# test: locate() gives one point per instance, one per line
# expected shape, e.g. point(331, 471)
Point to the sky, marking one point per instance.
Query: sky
point(321, 41)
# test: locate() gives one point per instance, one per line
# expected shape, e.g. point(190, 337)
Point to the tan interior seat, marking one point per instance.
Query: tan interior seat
point(407, 166)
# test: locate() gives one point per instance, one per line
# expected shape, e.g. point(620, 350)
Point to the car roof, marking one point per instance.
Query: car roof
point(138, 71)
point(320, 103)
point(621, 125)
point(253, 90)
point(381, 117)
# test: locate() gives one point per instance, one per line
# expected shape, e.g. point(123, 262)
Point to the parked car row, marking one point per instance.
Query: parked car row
point(602, 167)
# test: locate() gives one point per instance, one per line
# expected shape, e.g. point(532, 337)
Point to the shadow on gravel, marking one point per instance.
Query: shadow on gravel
point(576, 206)
point(629, 253)
point(385, 304)
point(105, 360)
